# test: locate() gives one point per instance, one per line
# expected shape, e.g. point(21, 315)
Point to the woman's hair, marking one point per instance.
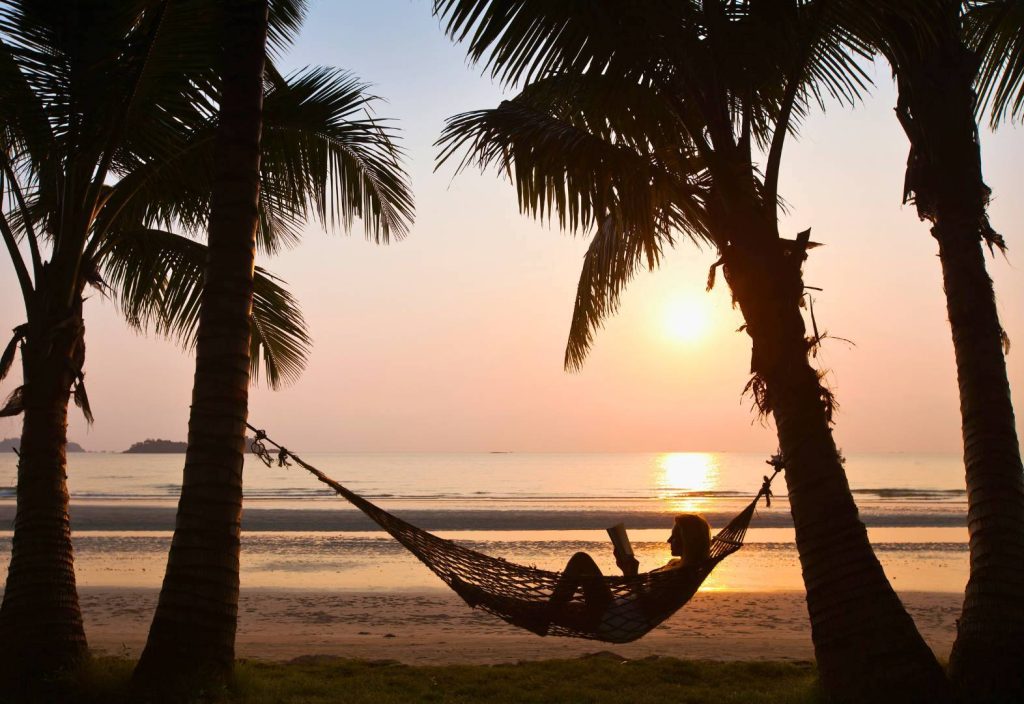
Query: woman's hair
point(696, 537)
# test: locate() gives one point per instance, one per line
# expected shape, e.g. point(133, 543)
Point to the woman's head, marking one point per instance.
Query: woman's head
point(691, 538)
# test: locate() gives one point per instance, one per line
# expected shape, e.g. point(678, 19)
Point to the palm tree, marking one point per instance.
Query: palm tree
point(192, 639)
point(59, 145)
point(114, 199)
point(936, 56)
point(643, 122)
point(193, 631)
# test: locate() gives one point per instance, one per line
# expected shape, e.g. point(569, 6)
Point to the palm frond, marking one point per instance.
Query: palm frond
point(25, 127)
point(7, 358)
point(525, 40)
point(157, 279)
point(614, 257)
point(995, 29)
point(279, 338)
point(323, 155)
point(81, 399)
point(569, 160)
point(323, 147)
point(178, 46)
point(14, 404)
point(284, 21)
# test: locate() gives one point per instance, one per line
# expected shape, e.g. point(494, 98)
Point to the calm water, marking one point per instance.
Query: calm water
point(542, 508)
point(471, 478)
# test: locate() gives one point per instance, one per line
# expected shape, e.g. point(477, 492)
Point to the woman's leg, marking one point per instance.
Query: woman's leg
point(582, 572)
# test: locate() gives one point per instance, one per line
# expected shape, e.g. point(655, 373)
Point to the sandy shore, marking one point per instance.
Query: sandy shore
point(434, 627)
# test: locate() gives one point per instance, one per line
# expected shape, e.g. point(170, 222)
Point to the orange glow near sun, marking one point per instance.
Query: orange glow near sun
point(687, 319)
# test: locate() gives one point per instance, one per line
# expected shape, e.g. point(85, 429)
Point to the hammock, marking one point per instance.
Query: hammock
point(521, 595)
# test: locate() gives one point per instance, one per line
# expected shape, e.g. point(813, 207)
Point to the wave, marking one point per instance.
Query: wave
point(171, 491)
point(339, 517)
point(904, 493)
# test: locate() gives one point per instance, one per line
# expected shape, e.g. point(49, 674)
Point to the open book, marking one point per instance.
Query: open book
point(620, 541)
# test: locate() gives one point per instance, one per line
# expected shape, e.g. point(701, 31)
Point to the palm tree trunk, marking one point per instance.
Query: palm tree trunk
point(867, 646)
point(41, 629)
point(944, 177)
point(192, 638)
point(987, 660)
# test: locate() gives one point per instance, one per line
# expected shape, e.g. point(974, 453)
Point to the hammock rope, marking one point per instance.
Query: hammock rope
point(521, 595)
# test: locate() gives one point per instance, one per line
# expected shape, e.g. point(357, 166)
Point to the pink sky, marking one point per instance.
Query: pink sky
point(453, 338)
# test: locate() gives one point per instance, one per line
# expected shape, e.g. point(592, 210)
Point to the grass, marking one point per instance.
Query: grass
point(592, 680)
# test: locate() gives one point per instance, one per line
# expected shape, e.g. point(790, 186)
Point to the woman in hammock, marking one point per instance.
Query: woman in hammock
point(690, 544)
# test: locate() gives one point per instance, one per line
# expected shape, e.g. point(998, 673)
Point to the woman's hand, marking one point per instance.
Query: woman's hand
point(629, 565)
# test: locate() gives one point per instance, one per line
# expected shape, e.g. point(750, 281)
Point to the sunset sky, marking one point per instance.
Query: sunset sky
point(452, 340)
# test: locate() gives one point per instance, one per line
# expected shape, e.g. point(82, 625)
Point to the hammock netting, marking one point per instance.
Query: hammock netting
point(521, 595)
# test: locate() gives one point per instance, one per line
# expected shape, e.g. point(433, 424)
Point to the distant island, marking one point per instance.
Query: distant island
point(8, 444)
point(151, 445)
point(156, 446)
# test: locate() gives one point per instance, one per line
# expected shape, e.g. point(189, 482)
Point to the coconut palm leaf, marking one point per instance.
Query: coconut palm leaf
point(285, 18)
point(14, 404)
point(576, 154)
point(995, 28)
point(324, 148)
point(279, 336)
point(7, 358)
point(767, 61)
point(27, 135)
point(614, 257)
point(524, 40)
point(323, 156)
point(157, 279)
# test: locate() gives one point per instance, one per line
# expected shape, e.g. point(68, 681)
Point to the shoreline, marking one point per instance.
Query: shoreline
point(435, 627)
point(144, 518)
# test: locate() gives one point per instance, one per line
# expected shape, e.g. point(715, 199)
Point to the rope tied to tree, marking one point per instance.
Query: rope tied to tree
point(778, 463)
point(260, 449)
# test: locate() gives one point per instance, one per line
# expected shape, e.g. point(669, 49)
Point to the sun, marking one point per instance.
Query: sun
point(686, 319)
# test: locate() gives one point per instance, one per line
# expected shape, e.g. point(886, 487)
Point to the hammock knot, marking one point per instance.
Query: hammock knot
point(282, 458)
point(259, 449)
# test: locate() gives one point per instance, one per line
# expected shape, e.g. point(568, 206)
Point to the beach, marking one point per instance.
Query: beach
point(434, 627)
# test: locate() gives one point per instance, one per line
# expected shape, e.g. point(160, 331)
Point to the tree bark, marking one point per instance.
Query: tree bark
point(867, 646)
point(944, 177)
point(192, 639)
point(41, 630)
point(987, 661)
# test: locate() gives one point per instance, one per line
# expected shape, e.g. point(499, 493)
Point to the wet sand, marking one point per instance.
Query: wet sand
point(435, 627)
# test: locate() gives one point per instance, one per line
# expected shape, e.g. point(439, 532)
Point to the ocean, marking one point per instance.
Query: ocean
point(532, 508)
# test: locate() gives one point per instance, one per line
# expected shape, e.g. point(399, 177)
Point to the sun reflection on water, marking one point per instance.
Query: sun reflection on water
point(684, 480)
